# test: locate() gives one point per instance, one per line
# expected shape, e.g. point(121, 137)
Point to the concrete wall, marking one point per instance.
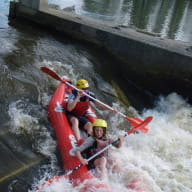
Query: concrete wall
point(159, 65)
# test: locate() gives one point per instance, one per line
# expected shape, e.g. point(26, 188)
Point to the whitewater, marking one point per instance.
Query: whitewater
point(160, 158)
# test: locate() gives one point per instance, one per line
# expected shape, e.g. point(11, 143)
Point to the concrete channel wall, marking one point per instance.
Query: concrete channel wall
point(156, 64)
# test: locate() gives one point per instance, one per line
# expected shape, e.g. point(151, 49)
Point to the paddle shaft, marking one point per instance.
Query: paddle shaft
point(133, 121)
point(107, 106)
point(69, 84)
point(57, 77)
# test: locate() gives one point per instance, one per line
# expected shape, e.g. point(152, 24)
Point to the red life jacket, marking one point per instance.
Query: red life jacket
point(81, 107)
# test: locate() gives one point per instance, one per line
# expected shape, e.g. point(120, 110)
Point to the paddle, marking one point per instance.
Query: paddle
point(133, 121)
point(135, 128)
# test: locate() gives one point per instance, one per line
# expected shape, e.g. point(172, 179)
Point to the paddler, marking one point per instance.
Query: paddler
point(77, 106)
point(95, 143)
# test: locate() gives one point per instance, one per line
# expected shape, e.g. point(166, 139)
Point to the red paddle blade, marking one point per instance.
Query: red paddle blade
point(51, 73)
point(136, 121)
point(141, 126)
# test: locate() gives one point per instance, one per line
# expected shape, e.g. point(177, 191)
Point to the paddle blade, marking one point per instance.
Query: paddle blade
point(141, 126)
point(136, 121)
point(51, 73)
point(133, 121)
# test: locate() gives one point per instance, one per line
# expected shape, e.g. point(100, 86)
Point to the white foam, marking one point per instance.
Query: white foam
point(7, 46)
point(163, 155)
point(22, 123)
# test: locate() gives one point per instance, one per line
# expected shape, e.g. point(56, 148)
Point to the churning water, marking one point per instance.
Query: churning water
point(161, 158)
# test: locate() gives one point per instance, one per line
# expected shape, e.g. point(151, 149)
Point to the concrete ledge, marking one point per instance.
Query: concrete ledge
point(149, 60)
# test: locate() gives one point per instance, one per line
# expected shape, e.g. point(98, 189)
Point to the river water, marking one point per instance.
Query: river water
point(161, 158)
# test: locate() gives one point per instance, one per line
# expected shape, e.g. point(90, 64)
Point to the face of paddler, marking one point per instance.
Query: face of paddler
point(98, 131)
point(86, 89)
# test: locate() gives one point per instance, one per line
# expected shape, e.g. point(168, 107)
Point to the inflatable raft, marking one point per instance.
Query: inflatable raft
point(66, 140)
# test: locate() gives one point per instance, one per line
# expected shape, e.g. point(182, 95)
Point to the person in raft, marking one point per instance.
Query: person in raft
point(95, 143)
point(77, 106)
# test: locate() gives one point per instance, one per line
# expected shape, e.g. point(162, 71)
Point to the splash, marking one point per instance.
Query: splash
point(7, 46)
point(25, 123)
point(163, 156)
point(62, 185)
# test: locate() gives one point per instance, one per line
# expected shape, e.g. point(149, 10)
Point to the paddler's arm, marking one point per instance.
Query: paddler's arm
point(72, 103)
point(79, 156)
point(105, 107)
point(87, 143)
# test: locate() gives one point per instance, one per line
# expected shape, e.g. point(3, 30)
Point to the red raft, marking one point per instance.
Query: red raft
point(66, 140)
point(66, 143)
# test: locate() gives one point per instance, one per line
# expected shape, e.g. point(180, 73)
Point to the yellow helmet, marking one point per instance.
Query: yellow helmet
point(82, 84)
point(100, 123)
